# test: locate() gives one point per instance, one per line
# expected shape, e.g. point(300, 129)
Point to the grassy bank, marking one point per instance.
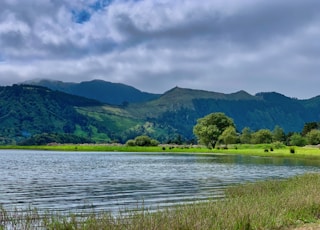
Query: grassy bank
point(274, 150)
point(265, 150)
point(262, 205)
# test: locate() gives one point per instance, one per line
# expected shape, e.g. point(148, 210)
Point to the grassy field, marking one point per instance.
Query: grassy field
point(270, 204)
point(265, 150)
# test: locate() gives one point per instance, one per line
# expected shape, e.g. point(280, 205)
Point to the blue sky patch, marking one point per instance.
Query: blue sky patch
point(81, 16)
point(99, 5)
point(84, 15)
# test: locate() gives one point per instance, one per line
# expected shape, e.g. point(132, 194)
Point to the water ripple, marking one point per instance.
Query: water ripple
point(73, 181)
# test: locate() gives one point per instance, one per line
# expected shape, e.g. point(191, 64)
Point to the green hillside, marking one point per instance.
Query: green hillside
point(180, 108)
point(28, 110)
point(180, 98)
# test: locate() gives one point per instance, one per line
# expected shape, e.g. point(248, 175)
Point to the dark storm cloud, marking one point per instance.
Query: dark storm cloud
point(226, 46)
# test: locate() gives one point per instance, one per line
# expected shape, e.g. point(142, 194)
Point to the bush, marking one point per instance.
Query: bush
point(278, 145)
point(130, 143)
point(142, 141)
point(313, 137)
point(297, 140)
point(154, 142)
point(292, 150)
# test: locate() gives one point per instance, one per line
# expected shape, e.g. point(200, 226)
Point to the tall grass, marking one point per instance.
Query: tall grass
point(263, 205)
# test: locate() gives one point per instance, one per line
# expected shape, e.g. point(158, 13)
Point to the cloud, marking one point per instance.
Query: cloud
point(154, 45)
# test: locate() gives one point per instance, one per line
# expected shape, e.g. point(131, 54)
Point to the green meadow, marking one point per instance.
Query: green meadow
point(264, 150)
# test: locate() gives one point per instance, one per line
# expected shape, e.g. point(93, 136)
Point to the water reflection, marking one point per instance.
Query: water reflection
point(256, 160)
point(73, 181)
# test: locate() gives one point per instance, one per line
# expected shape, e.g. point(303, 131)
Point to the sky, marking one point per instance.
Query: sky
point(154, 45)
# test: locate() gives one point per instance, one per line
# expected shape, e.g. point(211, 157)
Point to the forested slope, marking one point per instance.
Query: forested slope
point(28, 110)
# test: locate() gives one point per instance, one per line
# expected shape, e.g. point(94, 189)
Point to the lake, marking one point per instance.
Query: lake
point(112, 181)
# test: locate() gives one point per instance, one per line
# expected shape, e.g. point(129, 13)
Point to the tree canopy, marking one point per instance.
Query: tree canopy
point(246, 135)
point(229, 136)
point(262, 136)
point(209, 128)
point(310, 126)
point(313, 137)
point(297, 140)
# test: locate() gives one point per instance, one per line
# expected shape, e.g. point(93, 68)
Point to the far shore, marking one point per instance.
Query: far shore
point(262, 150)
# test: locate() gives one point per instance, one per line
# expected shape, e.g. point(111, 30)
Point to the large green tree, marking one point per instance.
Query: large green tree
point(209, 128)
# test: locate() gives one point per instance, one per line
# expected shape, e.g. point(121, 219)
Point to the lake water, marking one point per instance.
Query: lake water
point(82, 181)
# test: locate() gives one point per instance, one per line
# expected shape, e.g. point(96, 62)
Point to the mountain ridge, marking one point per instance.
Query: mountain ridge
point(63, 86)
point(30, 109)
point(104, 91)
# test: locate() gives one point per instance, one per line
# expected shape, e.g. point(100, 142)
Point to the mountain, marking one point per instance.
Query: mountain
point(180, 108)
point(107, 92)
point(28, 110)
point(176, 112)
point(181, 98)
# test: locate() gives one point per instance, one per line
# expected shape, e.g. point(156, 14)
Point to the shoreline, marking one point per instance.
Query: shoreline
point(261, 150)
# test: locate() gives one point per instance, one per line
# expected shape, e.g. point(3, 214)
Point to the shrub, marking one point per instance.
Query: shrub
point(313, 137)
point(130, 143)
point(278, 145)
point(297, 140)
point(142, 141)
point(292, 150)
point(154, 142)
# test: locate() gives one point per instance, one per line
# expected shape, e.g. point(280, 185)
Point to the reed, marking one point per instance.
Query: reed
point(272, 204)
